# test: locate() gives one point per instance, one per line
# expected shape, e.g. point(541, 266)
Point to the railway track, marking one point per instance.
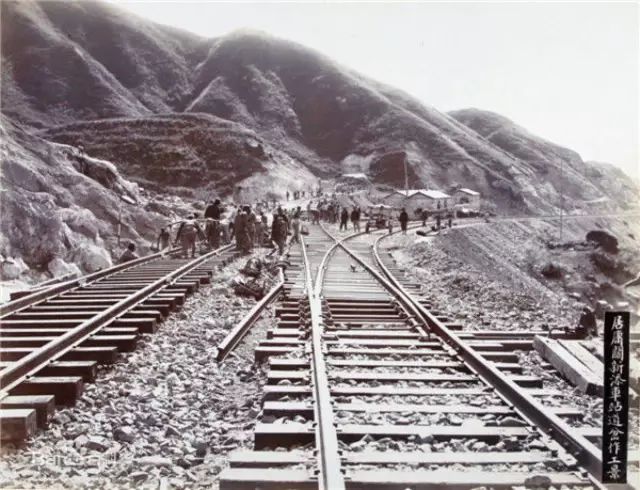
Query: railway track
point(53, 339)
point(368, 387)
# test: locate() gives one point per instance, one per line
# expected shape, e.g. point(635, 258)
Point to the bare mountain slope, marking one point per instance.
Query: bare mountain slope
point(555, 165)
point(285, 89)
point(64, 61)
point(67, 65)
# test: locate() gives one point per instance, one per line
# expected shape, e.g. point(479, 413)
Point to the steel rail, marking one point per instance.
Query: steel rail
point(408, 305)
point(54, 280)
point(53, 290)
point(234, 337)
point(330, 476)
point(29, 365)
point(585, 452)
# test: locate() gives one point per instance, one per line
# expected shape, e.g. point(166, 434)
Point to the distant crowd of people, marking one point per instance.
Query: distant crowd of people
point(265, 224)
point(302, 194)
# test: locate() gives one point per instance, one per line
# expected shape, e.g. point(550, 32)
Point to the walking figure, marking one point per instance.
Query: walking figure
point(295, 225)
point(344, 217)
point(164, 238)
point(279, 231)
point(404, 219)
point(187, 234)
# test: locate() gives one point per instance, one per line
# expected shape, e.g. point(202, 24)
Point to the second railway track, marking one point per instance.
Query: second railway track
point(368, 389)
point(52, 341)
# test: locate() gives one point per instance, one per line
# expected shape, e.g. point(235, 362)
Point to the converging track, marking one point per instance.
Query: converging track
point(51, 341)
point(370, 388)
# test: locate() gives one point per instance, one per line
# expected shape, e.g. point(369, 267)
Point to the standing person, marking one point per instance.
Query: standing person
point(257, 234)
point(344, 217)
point(232, 223)
point(212, 232)
point(404, 219)
point(425, 217)
point(449, 220)
point(265, 229)
point(280, 212)
point(287, 195)
point(225, 226)
point(438, 220)
point(213, 211)
point(187, 233)
point(587, 323)
point(279, 231)
point(164, 239)
point(241, 230)
point(295, 225)
point(354, 219)
point(200, 233)
point(251, 226)
point(128, 254)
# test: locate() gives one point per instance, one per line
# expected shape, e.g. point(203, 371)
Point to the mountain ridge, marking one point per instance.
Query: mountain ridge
point(326, 118)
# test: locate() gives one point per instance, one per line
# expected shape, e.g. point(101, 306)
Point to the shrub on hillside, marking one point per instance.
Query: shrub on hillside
point(552, 271)
point(610, 267)
point(604, 240)
point(533, 255)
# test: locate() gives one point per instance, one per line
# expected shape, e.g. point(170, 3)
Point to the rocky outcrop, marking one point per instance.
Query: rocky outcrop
point(60, 206)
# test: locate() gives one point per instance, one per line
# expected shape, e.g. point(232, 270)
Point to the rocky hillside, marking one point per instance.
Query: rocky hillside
point(181, 152)
point(60, 208)
point(551, 164)
point(65, 62)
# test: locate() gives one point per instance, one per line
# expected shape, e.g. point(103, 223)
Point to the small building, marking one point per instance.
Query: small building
point(467, 199)
point(419, 200)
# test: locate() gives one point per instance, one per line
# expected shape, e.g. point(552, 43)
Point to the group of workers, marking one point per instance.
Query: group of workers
point(250, 227)
point(325, 209)
point(301, 194)
point(354, 215)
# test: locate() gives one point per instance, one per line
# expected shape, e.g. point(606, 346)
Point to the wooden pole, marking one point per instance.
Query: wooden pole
point(561, 196)
point(119, 218)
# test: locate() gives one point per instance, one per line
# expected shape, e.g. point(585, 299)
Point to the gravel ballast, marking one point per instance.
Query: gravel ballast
point(484, 291)
point(164, 416)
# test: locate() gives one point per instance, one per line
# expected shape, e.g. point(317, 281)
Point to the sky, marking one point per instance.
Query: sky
point(568, 72)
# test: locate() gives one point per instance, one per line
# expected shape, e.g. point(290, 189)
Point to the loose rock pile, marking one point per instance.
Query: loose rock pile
point(476, 289)
point(481, 300)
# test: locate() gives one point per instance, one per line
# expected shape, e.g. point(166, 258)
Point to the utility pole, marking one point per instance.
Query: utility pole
point(561, 196)
point(406, 180)
point(119, 220)
point(406, 177)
